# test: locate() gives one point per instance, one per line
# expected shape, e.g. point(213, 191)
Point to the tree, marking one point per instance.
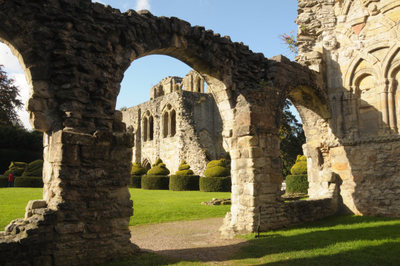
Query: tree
point(292, 138)
point(9, 102)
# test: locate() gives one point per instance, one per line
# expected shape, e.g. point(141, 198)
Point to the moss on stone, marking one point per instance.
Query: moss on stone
point(159, 168)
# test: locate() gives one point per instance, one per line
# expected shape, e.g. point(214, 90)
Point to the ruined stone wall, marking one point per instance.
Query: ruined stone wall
point(75, 54)
point(198, 136)
point(355, 47)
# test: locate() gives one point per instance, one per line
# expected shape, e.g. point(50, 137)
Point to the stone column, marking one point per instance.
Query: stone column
point(256, 166)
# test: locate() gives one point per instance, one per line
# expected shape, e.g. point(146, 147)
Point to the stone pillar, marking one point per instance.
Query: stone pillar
point(255, 166)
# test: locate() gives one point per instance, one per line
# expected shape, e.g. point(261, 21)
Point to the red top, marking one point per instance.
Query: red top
point(10, 178)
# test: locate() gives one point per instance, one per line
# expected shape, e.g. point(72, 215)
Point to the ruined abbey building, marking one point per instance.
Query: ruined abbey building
point(75, 53)
point(180, 122)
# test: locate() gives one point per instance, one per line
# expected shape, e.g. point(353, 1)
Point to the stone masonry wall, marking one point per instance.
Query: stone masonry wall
point(198, 131)
point(74, 54)
point(355, 47)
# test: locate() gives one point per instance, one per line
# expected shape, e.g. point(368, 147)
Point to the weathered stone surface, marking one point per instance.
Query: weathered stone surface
point(355, 47)
point(75, 54)
point(185, 125)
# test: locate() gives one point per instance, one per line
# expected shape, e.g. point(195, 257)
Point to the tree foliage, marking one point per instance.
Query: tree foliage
point(9, 102)
point(292, 138)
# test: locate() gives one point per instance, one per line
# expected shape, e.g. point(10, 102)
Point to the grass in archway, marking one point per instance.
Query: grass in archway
point(13, 202)
point(150, 206)
point(157, 206)
point(343, 240)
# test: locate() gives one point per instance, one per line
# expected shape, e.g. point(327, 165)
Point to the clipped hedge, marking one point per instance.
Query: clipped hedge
point(136, 181)
point(184, 169)
point(3, 181)
point(184, 182)
point(158, 168)
point(215, 184)
point(300, 167)
point(155, 182)
point(137, 169)
point(34, 168)
point(217, 168)
point(296, 184)
point(17, 168)
point(28, 181)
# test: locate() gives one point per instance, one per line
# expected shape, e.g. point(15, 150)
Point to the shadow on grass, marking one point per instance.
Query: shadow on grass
point(344, 240)
point(384, 254)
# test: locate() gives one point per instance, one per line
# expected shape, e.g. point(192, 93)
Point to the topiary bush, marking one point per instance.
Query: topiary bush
point(184, 182)
point(155, 182)
point(158, 168)
point(184, 169)
point(296, 184)
point(17, 168)
point(3, 181)
point(300, 167)
point(217, 168)
point(138, 169)
point(136, 175)
point(28, 181)
point(215, 184)
point(34, 168)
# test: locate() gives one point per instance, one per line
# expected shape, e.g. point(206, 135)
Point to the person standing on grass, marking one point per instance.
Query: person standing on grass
point(11, 179)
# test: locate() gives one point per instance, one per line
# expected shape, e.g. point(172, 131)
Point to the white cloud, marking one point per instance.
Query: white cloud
point(143, 4)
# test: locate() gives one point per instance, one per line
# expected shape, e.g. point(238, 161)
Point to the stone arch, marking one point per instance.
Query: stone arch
point(77, 53)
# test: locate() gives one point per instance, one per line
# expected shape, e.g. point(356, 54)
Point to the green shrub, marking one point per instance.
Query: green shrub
point(184, 182)
point(296, 184)
point(137, 169)
point(136, 181)
point(215, 184)
point(217, 168)
point(34, 168)
point(3, 181)
point(19, 144)
point(184, 169)
point(155, 182)
point(28, 181)
point(17, 168)
point(158, 168)
point(300, 167)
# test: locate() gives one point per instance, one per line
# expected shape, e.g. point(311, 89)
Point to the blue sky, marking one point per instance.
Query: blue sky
point(256, 23)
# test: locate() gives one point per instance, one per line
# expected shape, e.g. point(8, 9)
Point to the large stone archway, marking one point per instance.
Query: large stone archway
point(75, 54)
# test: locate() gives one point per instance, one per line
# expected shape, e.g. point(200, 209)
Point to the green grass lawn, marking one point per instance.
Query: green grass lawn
point(343, 240)
point(150, 206)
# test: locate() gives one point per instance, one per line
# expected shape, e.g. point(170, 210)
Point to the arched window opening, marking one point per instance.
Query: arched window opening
point(173, 123)
point(165, 124)
point(151, 128)
point(144, 126)
point(146, 164)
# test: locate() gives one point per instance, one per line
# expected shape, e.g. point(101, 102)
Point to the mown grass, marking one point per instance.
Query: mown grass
point(13, 202)
point(343, 240)
point(150, 206)
point(156, 206)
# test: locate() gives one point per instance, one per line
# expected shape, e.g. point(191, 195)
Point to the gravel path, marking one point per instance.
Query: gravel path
point(187, 240)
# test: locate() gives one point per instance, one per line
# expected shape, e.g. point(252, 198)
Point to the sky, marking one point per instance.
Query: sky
point(256, 23)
